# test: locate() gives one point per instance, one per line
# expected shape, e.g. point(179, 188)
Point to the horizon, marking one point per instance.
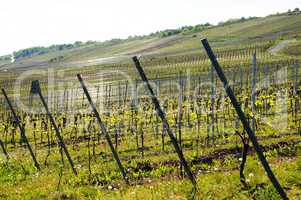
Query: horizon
point(53, 22)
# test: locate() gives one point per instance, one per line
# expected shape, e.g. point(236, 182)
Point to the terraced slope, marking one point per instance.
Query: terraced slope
point(268, 28)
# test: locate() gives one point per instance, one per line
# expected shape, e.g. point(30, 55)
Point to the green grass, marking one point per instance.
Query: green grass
point(293, 49)
point(220, 182)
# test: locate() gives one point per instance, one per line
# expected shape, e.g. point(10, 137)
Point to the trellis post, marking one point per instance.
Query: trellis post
point(22, 130)
point(37, 90)
point(103, 128)
point(165, 122)
point(253, 97)
point(243, 119)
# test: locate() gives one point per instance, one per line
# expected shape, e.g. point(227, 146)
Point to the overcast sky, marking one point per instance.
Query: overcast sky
point(27, 23)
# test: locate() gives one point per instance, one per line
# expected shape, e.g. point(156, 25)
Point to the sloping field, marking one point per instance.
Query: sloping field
point(269, 28)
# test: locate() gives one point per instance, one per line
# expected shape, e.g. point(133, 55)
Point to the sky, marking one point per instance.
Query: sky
point(28, 23)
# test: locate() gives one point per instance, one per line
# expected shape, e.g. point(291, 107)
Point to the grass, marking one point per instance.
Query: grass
point(221, 181)
point(293, 49)
point(218, 179)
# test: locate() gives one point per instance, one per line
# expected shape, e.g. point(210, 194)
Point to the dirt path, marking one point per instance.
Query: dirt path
point(274, 50)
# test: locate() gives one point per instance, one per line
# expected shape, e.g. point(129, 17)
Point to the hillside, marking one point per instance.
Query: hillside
point(233, 34)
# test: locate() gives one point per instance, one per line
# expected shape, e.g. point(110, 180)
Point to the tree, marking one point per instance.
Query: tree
point(77, 43)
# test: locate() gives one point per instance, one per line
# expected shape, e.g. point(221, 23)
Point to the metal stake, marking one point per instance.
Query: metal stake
point(165, 122)
point(103, 129)
point(37, 89)
point(253, 96)
point(243, 119)
point(22, 130)
point(4, 150)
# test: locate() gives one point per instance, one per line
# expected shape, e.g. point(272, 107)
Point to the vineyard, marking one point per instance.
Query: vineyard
point(54, 144)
